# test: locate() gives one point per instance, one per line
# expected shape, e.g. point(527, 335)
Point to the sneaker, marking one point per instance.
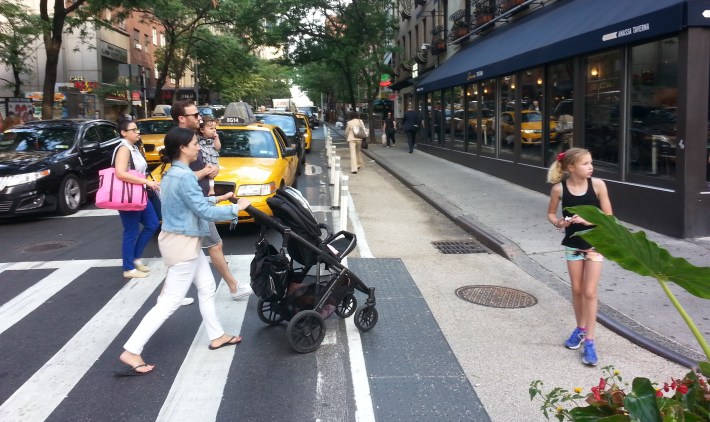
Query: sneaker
point(187, 301)
point(576, 339)
point(142, 268)
point(589, 357)
point(134, 273)
point(241, 292)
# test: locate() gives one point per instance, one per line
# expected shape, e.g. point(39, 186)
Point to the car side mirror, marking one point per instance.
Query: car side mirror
point(90, 146)
point(289, 152)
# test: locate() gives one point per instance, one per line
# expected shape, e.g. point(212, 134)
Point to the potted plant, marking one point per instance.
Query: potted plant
point(506, 5)
point(460, 28)
point(420, 57)
point(438, 45)
point(407, 65)
point(484, 12)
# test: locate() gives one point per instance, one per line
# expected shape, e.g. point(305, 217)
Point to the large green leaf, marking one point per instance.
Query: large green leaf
point(634, 252)
point(641, 402)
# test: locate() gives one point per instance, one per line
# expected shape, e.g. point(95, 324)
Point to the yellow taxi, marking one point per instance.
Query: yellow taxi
point(530, 127)
point(306, 130)
point(254, 161)
point(153, 130)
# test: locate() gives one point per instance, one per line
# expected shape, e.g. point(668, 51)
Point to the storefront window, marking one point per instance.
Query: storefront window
point(446, 106)
point(507, 127)
point(601, 109)
point(654, 101)
point(488, 133)
point(559, 104)
point(435, 118)
point(532, 116)
point(471, 115)
point(456, 122)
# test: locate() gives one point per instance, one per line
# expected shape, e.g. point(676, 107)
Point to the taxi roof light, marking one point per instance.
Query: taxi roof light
point(239, 113)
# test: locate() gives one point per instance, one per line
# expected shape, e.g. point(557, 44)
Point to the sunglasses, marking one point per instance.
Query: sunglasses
point(195, 115)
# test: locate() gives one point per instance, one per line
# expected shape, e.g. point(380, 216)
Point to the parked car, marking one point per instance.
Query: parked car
point(53, 165)
point(308, 112)
point(153, 130)
point(214, 111)
point(289, 123)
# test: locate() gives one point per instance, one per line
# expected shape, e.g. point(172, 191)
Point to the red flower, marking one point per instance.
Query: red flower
point(659, 393)
point(682, 389)
point(602, 383)
point(597, 395)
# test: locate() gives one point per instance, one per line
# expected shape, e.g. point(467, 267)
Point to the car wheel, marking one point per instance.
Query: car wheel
point(70, 195)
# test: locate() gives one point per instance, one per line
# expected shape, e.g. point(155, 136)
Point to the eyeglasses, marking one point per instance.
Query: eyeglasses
point(135, 129)
point(195, 115)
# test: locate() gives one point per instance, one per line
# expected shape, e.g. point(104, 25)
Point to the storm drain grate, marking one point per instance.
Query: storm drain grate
point(496, 296)
point(458, 246)
point(47, 246)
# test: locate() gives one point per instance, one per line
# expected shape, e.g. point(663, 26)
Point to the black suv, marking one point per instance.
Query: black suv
point(290, 125)
point(53, 165)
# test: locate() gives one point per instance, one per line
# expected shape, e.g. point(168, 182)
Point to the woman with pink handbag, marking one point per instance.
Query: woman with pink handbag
point(128, 157)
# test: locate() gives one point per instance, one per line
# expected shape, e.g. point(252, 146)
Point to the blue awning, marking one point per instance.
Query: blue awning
point(558, 31)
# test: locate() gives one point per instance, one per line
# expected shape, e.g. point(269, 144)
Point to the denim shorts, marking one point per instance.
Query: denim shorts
point(573, 254)
point(213, 238)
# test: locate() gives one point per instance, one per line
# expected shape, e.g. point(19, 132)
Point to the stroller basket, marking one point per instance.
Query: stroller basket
point(294, 297)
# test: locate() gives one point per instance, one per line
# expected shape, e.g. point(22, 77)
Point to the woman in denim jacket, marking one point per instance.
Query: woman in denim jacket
point(185, 215)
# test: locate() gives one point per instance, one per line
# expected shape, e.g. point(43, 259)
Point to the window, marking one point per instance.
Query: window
point(456, 122)
point(533, 132)
point(155, 36)
point(507, 128)
point(602, 102)
point(654, 99)
point(560, 107)
point(155, 71)
point(162, 39)
point(136, 36)
point(488, 133)
point(146, 41)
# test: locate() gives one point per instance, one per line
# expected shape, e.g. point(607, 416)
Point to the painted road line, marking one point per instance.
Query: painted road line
point(358, 230)
point(193, 395)
point(34, 401)
point(30, 299)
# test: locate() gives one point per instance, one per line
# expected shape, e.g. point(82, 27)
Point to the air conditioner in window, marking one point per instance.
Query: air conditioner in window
point(139, 46)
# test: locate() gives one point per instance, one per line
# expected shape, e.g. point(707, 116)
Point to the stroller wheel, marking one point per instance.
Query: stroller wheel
point(347, 306)
point(266, 313)
point(366, 318)
point(306, 331)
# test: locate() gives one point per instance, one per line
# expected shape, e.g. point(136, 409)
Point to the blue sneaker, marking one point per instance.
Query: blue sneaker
point(589, 357)
point(576, 339)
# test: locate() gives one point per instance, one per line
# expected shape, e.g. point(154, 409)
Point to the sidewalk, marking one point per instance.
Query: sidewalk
point(511, 221)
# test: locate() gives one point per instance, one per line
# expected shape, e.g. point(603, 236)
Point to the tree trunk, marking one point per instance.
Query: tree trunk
point(18, 82)
point(53, 46)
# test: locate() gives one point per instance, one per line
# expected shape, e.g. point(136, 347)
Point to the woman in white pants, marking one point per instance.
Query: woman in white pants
point(185, 214)
point(354, 142)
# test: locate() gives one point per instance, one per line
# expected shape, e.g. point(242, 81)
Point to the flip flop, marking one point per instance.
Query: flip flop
point(132, 372)
point(227, 343)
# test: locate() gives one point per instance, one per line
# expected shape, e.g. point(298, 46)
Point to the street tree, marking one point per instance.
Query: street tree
point(19, 29)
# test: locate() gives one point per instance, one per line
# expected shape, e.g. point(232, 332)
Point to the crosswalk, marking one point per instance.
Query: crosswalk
point(196, 393)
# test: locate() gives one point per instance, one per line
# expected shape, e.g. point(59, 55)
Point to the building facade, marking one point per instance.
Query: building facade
point(504, 86)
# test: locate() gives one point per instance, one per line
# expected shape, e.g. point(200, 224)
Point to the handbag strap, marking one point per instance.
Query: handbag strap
point(131, 164)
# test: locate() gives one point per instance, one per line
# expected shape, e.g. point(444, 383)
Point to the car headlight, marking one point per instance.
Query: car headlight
point(256, 190)
point(19, 179)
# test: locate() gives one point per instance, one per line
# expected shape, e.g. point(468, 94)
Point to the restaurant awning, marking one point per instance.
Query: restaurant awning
point(560, 30)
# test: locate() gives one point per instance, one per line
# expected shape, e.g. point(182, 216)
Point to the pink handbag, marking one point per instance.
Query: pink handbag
point(115, 194)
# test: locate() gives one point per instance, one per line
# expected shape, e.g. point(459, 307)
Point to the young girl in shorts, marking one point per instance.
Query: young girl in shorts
point(210, 145)
point(571, 176)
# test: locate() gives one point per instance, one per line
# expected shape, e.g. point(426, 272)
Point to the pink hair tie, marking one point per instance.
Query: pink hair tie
point(560, 156)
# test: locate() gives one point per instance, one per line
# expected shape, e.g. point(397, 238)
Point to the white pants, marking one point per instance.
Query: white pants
point(177, 283)
point(355, 155)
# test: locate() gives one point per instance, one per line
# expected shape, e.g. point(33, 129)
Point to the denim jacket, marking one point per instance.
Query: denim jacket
point(185, 209)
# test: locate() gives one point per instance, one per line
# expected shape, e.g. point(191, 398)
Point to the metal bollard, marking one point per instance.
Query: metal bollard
point(336, 186)
point(344, 204)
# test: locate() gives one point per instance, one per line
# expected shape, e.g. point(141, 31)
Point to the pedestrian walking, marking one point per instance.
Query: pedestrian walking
point(410, 125)
point(185, 214)
point(573, 185)
point(355, 142)
point(389, 127)
point(186, 115)
point(127, 156)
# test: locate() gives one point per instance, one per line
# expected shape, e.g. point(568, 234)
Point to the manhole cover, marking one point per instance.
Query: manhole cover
point(47, 246)
point(458, 246)
point(496, 296)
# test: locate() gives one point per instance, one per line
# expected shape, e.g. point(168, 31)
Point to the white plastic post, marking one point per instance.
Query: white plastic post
point(336, 186)
point(335, 169)
point(344, 204)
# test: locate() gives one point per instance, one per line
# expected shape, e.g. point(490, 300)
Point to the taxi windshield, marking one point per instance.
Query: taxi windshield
point(531, 117)
point(247, 143)
point(286, 123)
point(58, 138)
point(153, 127)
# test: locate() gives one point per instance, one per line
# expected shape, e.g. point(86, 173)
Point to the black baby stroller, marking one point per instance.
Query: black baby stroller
point(288, 294)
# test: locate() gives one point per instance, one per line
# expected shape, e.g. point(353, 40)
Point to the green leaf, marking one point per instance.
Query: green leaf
point(704, 368)
point(634, 252)
point(641, 402)
point(595, 414)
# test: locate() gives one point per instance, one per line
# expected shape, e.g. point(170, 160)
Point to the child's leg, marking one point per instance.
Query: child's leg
point(592, 273)
point(211, 192)
point(576, 275)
